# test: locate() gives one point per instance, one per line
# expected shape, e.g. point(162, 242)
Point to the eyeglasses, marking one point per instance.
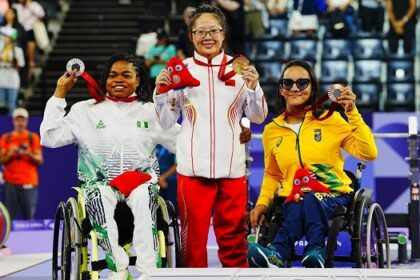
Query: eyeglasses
point(301, 84)
point(201, 33)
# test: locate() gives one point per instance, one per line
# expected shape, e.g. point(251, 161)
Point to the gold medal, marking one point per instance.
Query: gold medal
point(239, 64)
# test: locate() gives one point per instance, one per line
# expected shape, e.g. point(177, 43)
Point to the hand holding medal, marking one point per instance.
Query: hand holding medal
point(343, 96)
point(75, 64)
point(242, 66)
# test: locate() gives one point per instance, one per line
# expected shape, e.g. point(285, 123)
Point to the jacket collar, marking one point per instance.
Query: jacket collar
point(215, 60)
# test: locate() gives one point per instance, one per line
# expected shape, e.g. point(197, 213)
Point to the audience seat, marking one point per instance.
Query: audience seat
point(335, 49)
point(367, 70)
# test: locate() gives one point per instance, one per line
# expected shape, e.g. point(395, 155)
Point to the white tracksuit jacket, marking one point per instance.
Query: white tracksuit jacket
point(113, 137)
point(208, 144)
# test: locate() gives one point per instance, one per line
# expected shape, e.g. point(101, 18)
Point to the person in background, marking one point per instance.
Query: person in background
point(345, 7)
point(210, 156)
point(168, 176)
point(184, 47)
point(402, 19)
point(158, 56)
point(11, 20)
point(20, 154)
point(371, 15)
point(114, 136)
point(11, 60)
point(4, 6)
point(304, 18)
point(28, 13)
point(298, 139)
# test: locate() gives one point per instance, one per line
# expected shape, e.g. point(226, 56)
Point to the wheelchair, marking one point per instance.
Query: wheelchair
point(363, 219)
point(5, 224)
point(74, 236)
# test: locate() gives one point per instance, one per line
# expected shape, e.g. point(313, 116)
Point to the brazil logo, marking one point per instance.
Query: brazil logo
point(317, 135)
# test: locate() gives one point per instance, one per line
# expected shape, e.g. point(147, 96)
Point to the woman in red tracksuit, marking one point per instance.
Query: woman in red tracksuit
point(211, 159)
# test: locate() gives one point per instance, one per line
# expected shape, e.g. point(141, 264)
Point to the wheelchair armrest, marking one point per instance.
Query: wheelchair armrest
point(340, 211)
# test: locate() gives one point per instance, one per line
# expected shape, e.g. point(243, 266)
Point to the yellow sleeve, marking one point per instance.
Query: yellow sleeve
point(272, 174)
point(360, 142)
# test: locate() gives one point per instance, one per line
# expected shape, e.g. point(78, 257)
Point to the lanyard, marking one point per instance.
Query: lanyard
point(321, 101)
point(225, 77)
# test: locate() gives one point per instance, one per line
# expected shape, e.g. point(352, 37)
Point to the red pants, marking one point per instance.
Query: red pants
point(197, 198)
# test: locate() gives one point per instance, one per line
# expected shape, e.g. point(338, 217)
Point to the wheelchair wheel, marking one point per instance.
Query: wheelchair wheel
point(168, 234)
point(61, 244)
point(377, 239)
point(273, 218)
point(174, 238)
point(75, 240)
point(359, 234)
point(4, 225)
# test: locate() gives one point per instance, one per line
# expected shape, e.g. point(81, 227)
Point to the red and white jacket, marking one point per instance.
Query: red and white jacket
point(208, 144)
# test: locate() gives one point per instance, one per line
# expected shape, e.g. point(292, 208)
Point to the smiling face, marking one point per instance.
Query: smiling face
point(122, 79)
point(211, 43)
point(296, 98)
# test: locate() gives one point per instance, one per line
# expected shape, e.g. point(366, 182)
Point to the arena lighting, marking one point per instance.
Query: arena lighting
point(412, 125)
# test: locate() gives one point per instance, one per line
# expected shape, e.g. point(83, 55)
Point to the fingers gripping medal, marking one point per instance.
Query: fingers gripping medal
point(77, 64)
point(334, 92)
point(239, 64)
point(92, 86)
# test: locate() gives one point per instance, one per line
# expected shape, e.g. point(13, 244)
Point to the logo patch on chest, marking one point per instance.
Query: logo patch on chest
point(142, 124)
point(317, 135)
point(100, 125)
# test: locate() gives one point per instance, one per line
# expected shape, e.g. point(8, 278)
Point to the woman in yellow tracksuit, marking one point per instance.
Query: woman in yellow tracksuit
point(298, 138)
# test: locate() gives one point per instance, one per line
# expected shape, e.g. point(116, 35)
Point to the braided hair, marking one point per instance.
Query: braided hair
point(143, 90)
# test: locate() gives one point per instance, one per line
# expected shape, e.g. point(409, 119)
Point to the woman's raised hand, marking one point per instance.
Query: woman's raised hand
point(251, 76)
point(162, 79)
point(65, 83)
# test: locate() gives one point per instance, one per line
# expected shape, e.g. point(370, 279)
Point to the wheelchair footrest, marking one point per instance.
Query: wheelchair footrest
point(101, 264)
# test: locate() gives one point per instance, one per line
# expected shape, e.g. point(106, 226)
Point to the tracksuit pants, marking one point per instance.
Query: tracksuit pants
point(226, 199)
point(308, 217)
point(101, 200)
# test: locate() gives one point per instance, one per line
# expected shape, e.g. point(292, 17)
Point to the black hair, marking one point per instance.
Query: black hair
point(143, 91)
point(316, 92)
point(217, 13)
point(15, 20)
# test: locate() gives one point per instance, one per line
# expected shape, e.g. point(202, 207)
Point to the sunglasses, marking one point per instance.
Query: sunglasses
point(301, 84)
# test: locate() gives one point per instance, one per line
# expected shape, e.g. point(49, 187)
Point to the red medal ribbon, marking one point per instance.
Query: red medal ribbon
point(93, 87)
point(225, 77)
point(122, 99)
point(321, 101)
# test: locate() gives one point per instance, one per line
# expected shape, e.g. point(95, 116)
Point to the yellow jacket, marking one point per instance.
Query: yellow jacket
point(317, 148)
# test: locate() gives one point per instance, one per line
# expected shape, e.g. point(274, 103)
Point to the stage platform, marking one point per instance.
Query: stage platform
point(39, 245)
point(284, 274)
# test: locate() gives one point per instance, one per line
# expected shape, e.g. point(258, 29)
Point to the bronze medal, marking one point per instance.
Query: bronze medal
point(334, 92)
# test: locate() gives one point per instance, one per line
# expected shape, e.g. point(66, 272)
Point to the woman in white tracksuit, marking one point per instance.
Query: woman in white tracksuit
point(211, 159)
point(113, 136)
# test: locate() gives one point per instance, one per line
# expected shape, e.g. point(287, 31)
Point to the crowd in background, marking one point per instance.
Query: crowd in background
point(20, 22)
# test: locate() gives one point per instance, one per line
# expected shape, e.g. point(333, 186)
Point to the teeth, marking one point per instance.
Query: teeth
point(119, 87)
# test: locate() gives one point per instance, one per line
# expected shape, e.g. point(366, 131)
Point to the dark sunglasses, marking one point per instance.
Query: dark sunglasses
point(301, 84)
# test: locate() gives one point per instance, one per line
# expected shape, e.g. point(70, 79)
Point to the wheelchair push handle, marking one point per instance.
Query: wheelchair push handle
point(360, 167)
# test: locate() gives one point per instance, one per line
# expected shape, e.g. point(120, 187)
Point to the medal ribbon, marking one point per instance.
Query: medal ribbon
point(225, 77)
point(321, 101)
point(93, 87)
